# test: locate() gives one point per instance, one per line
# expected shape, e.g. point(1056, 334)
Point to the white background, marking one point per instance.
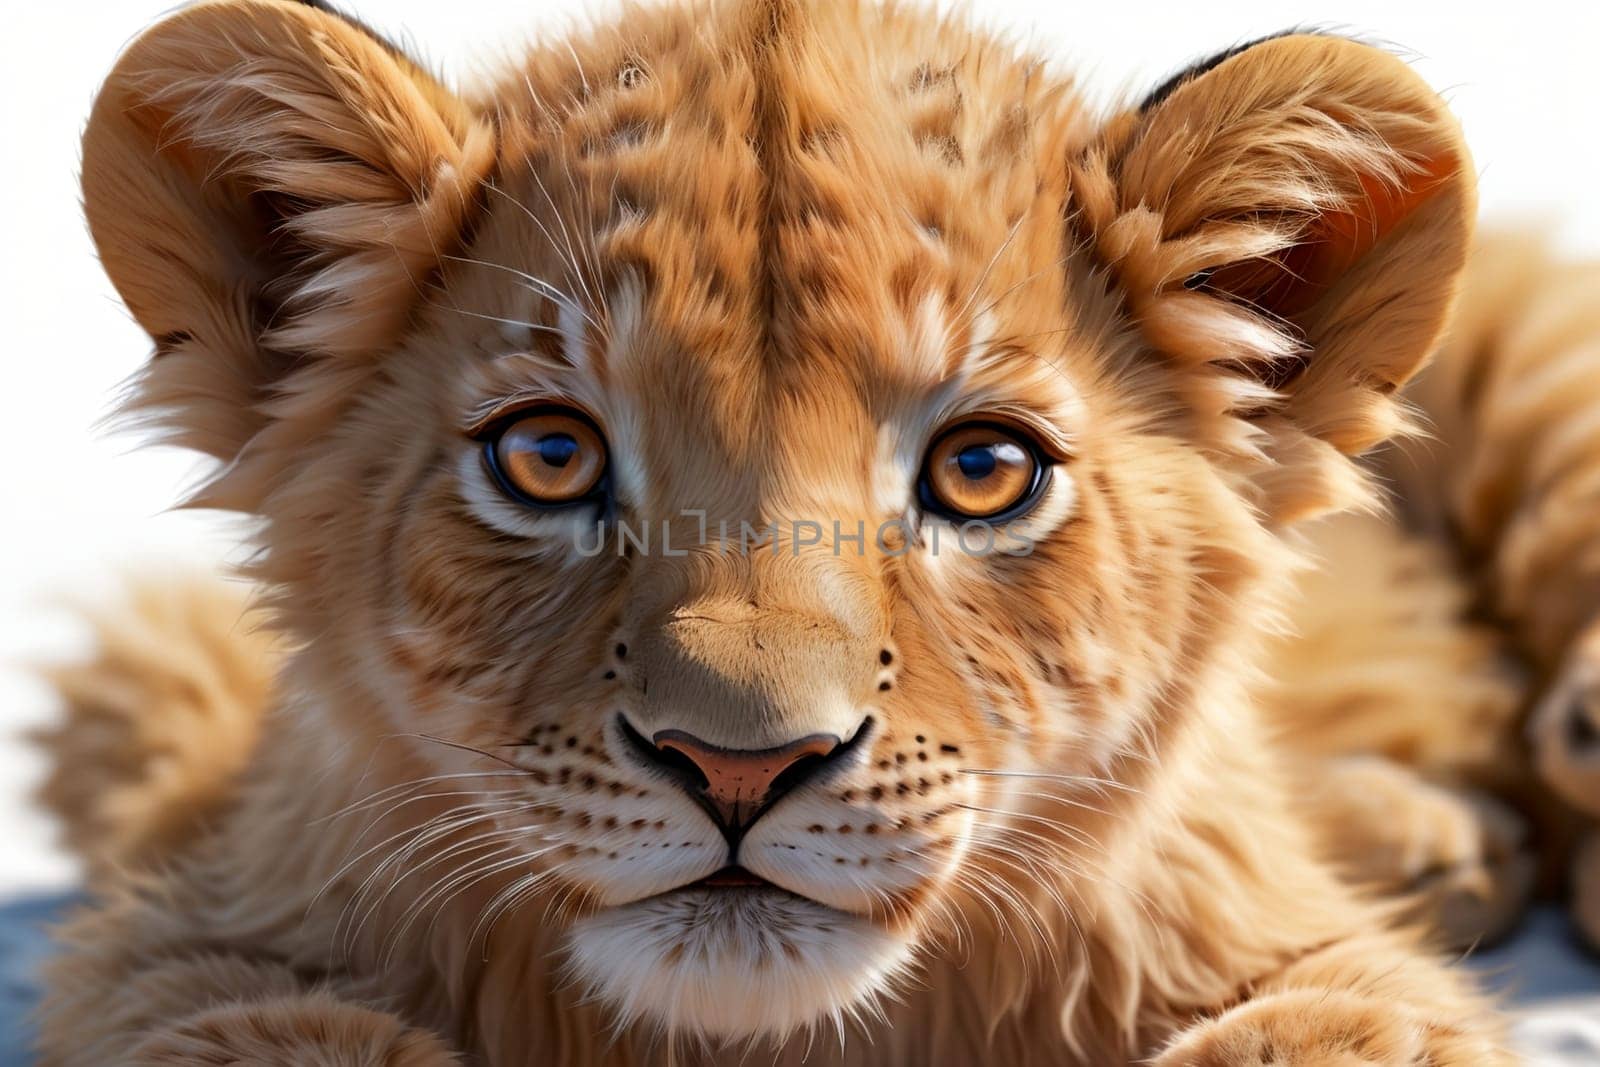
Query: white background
point(76, 502)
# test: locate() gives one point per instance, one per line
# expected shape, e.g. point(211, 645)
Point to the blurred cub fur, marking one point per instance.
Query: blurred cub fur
point(1446, 650)
point(724, 264)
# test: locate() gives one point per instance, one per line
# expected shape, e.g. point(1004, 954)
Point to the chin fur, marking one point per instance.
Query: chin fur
point(731, 965)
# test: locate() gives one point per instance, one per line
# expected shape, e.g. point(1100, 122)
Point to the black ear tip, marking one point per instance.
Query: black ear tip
point(344, 16)
point(1216, 59)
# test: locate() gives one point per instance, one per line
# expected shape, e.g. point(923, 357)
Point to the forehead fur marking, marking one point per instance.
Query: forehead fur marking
point(574, 335)
point(625, 317)
point(928, 339)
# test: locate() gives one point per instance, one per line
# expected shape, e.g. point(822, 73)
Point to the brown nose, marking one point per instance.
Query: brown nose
point(736, 785)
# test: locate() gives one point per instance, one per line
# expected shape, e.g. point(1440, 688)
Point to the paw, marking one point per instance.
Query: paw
point(1565, 728)
point(304, 1031)
point(1317, 1028)
point(1460, 857)
point(1480, 873)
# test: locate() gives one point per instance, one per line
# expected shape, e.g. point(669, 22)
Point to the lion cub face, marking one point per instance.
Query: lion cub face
point(739, 519)
point(801, 465)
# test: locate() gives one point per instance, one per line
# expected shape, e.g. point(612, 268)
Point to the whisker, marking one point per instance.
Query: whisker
point(464, 747)
point(379, 795)
point(397, 804)
point(391, 839)
point(1075, 779)
point(442, 825)
point(1073, 834)
point(537, 284)
point(536, 327)
point(960, 316)
point(453, 882)
point(570, 262)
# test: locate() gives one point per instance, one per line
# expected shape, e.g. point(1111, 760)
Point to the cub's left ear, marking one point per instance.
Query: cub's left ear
point(1286, 223)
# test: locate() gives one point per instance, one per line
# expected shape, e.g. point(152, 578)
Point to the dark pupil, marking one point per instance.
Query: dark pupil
point(557, 449)
point(977, 462)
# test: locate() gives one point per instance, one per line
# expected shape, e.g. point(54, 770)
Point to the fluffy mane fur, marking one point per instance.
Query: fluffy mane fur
point(771, 250)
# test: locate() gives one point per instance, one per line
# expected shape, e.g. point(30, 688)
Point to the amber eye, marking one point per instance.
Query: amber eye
point(550, 457)
point(981, 471)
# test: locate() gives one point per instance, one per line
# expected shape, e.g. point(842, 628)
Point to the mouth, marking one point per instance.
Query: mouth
point(733, 956)
point(732, 876)
point(733, 886)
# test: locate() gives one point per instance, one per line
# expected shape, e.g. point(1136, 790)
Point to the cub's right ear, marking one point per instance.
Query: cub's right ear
point(269, 187)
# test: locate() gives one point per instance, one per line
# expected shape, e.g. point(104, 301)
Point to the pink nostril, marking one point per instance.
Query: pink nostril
point(739, 783)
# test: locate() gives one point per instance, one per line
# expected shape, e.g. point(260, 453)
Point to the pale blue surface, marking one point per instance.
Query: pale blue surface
point(24, 944)
point(1542, 963)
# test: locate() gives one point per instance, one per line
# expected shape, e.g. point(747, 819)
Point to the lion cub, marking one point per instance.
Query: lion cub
point(769, 510)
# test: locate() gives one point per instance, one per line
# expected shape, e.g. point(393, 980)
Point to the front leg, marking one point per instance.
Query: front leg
point(1306, 970)
point(135, 985)
point(309, 1030)
point(1316, 1028)
point(1366, 1003)
point(1458, 858)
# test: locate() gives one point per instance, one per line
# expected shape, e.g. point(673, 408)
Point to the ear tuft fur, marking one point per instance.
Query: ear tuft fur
point(1286, 227)
point(270, 187)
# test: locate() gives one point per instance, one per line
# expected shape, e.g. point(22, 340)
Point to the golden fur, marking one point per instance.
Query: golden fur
point(1455, 636)
point(771, 247)
point(1405, 712)
point(166, 713)
point(1515, 398)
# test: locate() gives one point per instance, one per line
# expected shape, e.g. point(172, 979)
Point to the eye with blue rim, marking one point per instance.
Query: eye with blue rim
point(982, 471)
point(548, 457)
